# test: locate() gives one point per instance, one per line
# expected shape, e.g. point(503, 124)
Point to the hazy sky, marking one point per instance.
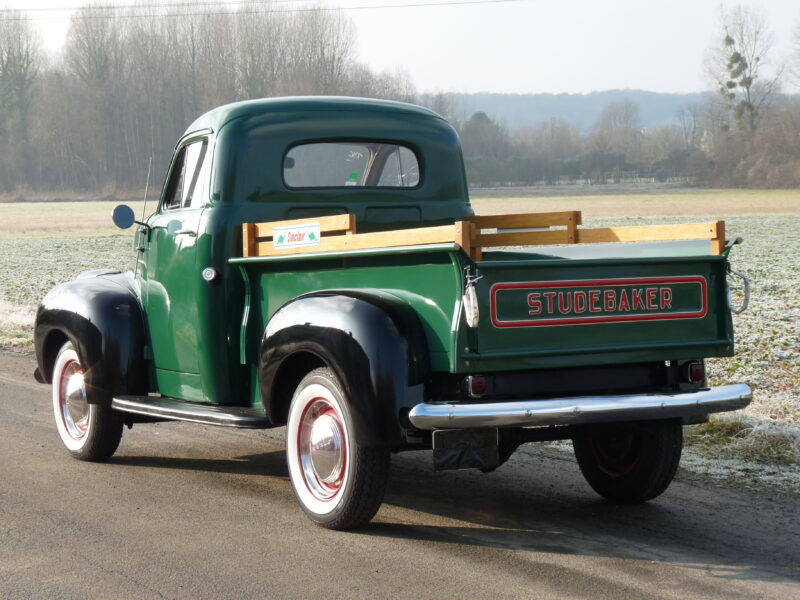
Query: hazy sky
point(524, 46)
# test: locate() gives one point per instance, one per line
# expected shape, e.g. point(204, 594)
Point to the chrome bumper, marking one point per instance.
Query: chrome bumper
point(580, 410)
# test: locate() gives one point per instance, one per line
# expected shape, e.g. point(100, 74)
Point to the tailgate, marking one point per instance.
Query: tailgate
point(568, 312)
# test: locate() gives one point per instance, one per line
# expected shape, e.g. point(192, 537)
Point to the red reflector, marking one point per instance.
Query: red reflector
point(476, 385)
point(697, 372)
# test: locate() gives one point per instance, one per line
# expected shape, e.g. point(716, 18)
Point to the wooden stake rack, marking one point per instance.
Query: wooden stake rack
point(338, 233)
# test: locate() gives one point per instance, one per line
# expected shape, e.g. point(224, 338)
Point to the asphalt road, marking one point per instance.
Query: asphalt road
point(186, 511)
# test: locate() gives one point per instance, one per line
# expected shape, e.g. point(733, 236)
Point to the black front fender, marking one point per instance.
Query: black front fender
point(360, 341)
point(102, 317)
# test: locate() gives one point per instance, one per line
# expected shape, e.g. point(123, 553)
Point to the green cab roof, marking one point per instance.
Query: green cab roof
point(217, 117)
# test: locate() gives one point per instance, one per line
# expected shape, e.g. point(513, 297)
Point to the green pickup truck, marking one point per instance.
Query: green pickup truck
point(315, 263)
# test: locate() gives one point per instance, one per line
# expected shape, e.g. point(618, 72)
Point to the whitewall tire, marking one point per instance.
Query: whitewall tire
point(339, 483)
point(88, 431)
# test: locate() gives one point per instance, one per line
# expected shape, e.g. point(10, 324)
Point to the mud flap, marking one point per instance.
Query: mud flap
point(466, 449)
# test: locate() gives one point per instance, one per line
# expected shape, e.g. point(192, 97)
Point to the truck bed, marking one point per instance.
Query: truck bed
point(545, 307)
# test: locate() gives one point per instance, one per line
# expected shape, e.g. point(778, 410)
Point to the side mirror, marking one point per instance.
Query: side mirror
point(123, 216)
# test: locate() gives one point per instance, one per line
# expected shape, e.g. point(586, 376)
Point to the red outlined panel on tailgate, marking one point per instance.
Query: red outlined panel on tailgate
point(589, 301)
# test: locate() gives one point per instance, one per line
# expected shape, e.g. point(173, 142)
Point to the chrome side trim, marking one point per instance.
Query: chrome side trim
point(580, 410)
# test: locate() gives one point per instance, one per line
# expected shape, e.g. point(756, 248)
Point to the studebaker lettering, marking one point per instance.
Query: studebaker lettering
point(551, 303)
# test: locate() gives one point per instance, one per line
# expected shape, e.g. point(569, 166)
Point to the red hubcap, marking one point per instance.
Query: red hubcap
point(322, 449)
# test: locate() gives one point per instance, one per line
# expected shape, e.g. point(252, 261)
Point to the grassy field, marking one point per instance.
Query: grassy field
point(663, 203)
point(27, 220)
point(43, 244)
point(93, 218)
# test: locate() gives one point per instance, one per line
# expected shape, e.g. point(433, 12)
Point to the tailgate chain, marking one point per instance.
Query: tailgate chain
point(470, 299)
point(746, 285)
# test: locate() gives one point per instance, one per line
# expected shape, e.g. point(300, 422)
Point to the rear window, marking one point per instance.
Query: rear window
point(351, 164)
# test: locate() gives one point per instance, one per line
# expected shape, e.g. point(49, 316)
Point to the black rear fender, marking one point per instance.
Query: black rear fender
point(102, 317)
point(366, 341)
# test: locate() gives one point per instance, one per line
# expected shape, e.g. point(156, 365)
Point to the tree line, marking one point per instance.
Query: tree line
point(746, 134)
point(128, 82)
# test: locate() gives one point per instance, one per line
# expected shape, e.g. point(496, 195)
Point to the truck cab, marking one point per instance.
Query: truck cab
point(275, 160)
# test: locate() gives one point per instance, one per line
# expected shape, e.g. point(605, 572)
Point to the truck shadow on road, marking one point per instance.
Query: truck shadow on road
point(267, 463)
point(540, 503)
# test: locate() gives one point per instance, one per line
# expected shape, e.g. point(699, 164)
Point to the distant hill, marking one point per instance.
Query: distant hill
point(514, 110)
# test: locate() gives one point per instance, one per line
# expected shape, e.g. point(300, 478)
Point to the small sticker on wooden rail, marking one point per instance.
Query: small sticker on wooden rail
point(296, 236)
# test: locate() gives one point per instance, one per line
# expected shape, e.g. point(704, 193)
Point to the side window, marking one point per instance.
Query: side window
point(175, 185)
point(200, 194)
point(188, 180)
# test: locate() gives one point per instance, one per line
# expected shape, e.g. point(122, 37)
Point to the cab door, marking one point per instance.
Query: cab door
point(170, 275)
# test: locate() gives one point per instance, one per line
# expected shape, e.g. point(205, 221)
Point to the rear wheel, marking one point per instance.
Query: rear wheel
point(89, 431)
point(339, 483)
point(630, 462)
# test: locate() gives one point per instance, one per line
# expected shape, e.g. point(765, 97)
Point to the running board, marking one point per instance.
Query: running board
point(174, 409)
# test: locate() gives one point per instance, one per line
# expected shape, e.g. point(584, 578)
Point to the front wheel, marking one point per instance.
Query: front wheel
point(630, 462)
point(90, 432)
point(339, 483)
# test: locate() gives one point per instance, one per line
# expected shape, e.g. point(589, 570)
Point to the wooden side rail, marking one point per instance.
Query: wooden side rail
point(544, 234)
point(542, 229)
point(256, 236)
point(713, 230)
point(569, 219)
point(541, 225)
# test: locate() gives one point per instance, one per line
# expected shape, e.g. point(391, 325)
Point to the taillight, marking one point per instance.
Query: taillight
point(695, 371)
point(476, 385)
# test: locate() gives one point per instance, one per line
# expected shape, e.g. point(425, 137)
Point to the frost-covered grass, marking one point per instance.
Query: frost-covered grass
point(767, 335)
point(767, 343)
point(30, 267)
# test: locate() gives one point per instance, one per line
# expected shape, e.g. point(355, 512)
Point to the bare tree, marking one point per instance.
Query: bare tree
point(485, 138)
point(322, 50)
point(161, 88)
point(660, 142)
point(95, 55)
point(774, 156)
point(554, 139)
point(363, 81)
point(261, 52)
point(738, 65)
point(130, 80)
point(218, 56)
point(452, 107)
point(795, 56)
point(689, 120)
point(20, 63)
point(619, 128)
